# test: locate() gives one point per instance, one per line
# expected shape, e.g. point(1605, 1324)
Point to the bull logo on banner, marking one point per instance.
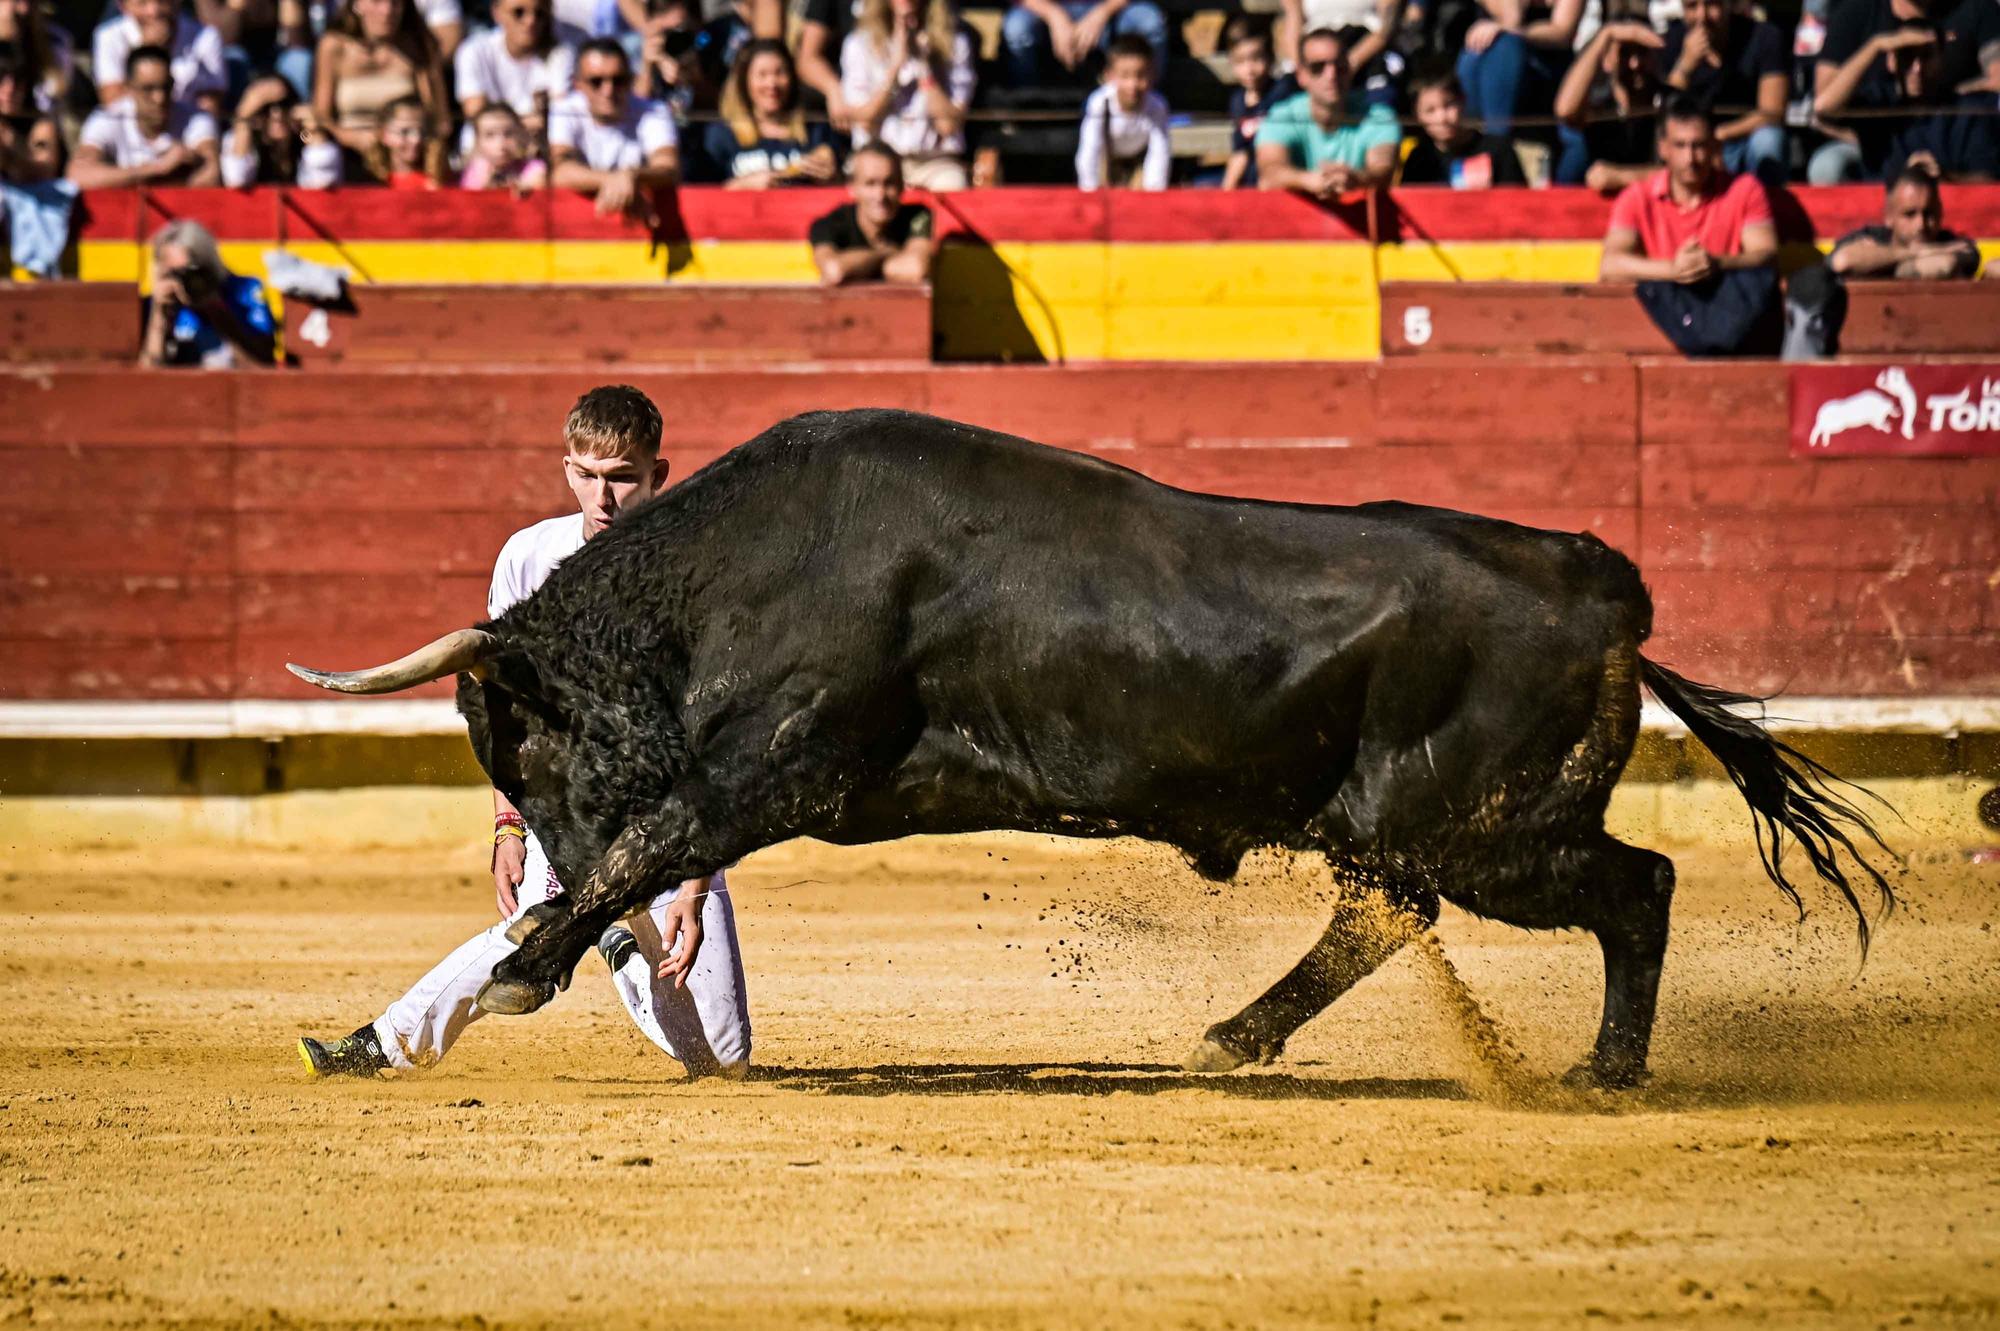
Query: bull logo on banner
point(1932, 410)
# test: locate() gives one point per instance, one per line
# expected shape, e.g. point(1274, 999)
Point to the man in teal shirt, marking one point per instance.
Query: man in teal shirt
point(1308, 144)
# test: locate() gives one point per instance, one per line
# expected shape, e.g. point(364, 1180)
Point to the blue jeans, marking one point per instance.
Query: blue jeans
point(1029, 60)
point(1510, 78)
point(1761, 152)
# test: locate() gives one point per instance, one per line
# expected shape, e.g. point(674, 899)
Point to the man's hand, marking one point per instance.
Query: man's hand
point(1692, 263)
point(1695, 50)
point(510, 865)
point(616, 192)
point(1331, 179)
point(1481, 35)
point(177, 158)
point(1600, 177)
point(1925, 160)
point(683, 922)
point(1087, 32)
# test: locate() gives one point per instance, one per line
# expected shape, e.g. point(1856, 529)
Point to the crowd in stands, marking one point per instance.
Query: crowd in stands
point(613, 96)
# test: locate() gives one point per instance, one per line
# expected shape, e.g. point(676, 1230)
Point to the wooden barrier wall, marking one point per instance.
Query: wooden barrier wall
point(181, 535)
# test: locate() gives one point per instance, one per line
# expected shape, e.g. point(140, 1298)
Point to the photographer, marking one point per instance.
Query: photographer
point(200, 313)
point(670, 69)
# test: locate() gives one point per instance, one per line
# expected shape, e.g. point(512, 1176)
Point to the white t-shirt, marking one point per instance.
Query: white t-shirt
point(1125, 134)
point(114, 131)
point(195, 56)
point(529, 556)
point(647, 127)
point(1338, 14)
point(441, 13)
point(485, 69)
point(907, 128)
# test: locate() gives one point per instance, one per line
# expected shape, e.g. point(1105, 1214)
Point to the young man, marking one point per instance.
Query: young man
point(1307, 144)
point(613, 465)
point(878, 237)
point(1124, 139)
point(194, 52)
point(605, 141)
point(146, 137)
point(1739, 65)
point(1699, 242)
point(1448, 153)
point(1911, 241)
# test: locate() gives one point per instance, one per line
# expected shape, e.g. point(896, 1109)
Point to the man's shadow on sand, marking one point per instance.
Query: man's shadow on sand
point(1086, 1079)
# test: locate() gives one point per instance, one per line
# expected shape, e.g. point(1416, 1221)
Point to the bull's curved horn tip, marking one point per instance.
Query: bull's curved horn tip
point(325, 679)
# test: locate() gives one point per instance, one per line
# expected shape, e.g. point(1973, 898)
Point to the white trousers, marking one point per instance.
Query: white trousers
point(705, 1024)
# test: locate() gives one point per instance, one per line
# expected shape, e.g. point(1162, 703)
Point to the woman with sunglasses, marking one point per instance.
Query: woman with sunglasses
point(526, 64)
point(374, 53)
point(763, 138)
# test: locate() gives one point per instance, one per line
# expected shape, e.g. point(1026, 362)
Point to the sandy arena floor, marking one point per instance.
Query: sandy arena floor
point(968, 1111)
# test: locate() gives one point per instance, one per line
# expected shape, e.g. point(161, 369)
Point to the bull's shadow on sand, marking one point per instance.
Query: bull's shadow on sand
point(1084, 1079)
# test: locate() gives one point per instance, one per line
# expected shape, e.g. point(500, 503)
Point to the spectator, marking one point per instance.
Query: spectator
point(669, 70)
point(19, 100)
point(1040, 37)
point(906, 74)
point(1376, 18)
point(276, 141)
point(606, 142)
point(1699, 242)
point(1972, 47)
point(1448, 153)
point(406, 156)
point(194, 52)
point(31, 151)
point(200, 313)
point(1124, 139)
point(37, 206)
point(43, 48)
point(146, 137)
point(526, 64)
point(500, 153)
point(877, 237)
point(1911, 240)
point(1307, 143)
point(720, 42)
point(1606, 106)
point(374, 53)
point(763, 138)
point(1514, 57)
point(823, 29)
point(1257, 90)
point(1738, 65)
point(1902, 70)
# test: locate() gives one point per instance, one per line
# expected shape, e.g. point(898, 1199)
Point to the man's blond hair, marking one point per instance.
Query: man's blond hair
point(615, 421)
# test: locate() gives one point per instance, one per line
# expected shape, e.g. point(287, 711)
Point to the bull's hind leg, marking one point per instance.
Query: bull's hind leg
point(1368, 927)
point(1627, 908)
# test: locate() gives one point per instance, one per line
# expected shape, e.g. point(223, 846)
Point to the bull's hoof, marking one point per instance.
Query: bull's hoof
point(1592, 1075)
point(531, 919)
point(512, 998)
point(1218, 1052)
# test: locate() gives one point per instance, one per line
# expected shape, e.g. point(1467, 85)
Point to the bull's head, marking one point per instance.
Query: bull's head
point(519, 737)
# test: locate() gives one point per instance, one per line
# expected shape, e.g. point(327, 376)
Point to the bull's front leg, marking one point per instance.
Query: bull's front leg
point(651, 856)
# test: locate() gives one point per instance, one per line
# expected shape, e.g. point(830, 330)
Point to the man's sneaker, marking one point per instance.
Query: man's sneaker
point(616, 945)
point(356, 1055)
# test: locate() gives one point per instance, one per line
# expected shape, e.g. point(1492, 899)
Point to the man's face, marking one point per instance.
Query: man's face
point(1912, 213)
point(1323, 72)
point(606, 487)
point(1250, 62)
point(152, 87)
point(606, 82)
point(1438, 111)
point(877, 188)
point(522, 22)
point(1131, 78)
point(1688, 148)
point(1712, 16)
point(155, 19)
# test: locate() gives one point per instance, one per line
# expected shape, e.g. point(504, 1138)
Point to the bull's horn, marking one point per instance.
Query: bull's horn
point(465, 650)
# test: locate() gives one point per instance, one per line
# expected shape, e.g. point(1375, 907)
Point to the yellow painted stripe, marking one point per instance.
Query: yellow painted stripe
point(1251, 301)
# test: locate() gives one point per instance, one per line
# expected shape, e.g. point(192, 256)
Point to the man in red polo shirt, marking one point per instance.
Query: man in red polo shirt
point(1699, 242)
point(1691, 219)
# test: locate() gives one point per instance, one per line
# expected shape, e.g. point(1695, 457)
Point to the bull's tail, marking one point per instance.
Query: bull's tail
point(1788, 793)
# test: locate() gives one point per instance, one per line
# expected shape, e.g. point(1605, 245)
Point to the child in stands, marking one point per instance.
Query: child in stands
point(1449, 153)
point(1252, 63)
point(1125, 140)
point(499, 157)
point(406, 155)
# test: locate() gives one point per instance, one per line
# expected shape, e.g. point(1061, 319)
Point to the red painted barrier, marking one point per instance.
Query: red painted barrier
point(182, 535)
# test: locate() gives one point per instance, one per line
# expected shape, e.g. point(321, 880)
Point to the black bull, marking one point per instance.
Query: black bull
point(865, 625)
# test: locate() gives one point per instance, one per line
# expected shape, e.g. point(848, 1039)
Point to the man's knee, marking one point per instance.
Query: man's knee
point(1020, 30)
